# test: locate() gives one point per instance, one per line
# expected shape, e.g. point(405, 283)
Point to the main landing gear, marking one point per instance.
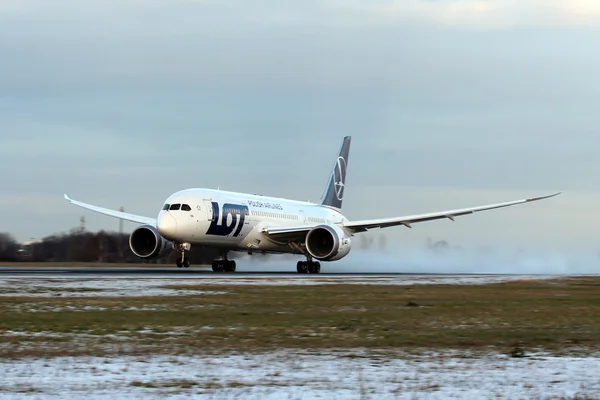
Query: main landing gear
point(308, 267)
point(223, 264)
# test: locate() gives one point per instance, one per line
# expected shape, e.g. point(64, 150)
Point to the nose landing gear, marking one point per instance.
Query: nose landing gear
point(182, 262)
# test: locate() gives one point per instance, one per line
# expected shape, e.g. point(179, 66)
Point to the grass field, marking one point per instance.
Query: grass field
point(557, 316)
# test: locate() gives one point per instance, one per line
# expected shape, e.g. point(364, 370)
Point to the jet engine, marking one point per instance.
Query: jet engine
point(328, 243)
point(146, 242)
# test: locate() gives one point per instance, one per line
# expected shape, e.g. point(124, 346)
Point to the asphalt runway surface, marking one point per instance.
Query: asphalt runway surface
point(149, 281)
point(71, 271)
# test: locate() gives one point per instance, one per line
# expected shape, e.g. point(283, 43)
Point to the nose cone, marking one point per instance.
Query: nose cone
point(166, 225)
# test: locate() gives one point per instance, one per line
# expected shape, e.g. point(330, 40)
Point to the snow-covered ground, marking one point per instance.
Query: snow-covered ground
point(329, 375)
point(91, 286)
point(283, 375)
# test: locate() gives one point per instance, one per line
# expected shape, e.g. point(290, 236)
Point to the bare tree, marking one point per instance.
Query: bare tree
point(102, 246)
point(9, 249)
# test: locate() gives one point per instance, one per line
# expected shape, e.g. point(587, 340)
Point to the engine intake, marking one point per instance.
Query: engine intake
point(328, 243)
point(146, 242)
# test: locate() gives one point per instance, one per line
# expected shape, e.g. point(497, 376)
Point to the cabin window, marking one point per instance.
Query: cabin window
point(175, 207)
point(185, 207)
point(166, 207)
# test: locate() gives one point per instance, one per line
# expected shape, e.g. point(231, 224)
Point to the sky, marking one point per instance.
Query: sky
point(450, 104)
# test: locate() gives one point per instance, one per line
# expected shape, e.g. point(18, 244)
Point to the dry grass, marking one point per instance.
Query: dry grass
point(557, 316)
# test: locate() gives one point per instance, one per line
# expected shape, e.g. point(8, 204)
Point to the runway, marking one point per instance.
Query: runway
point(141, 280)
point(174, 272)
point(121, 280)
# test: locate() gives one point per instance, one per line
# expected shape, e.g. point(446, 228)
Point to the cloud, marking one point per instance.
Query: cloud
point(180, 16)
point(477, 14)
point(450, 103)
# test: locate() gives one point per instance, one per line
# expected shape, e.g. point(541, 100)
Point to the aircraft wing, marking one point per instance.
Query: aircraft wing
point(364, 225)
point(117, 214)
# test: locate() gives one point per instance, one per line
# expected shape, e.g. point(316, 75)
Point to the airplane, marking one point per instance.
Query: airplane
point(232, 221)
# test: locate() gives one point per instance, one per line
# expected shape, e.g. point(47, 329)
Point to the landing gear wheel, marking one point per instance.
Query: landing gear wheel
point(316, 267)
point(223, 265)
point(229, 266)
point(217, 266)
point(308, 267)
point(302, 267)
point(181, 248)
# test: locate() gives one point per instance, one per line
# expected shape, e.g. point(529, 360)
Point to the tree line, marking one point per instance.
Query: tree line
point(78, 246)
point(110, 247)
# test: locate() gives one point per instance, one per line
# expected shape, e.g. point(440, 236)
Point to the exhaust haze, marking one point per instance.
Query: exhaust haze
point(445, 261)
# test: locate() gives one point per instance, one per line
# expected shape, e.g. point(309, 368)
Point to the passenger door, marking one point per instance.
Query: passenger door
point(301, 216)
point(203, 212)
point(207, 205)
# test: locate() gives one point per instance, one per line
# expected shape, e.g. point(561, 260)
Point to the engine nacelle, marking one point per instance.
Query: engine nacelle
point(328, 243)
point(146, 242)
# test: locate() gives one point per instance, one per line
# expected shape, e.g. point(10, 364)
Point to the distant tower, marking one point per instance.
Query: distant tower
point(121, 221)
point(82, 226)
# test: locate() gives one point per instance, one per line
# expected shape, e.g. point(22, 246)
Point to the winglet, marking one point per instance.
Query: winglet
point(543, 197)
point(67, 197)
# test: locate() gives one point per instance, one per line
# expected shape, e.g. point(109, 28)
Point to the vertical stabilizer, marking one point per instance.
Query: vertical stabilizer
point(334, 193)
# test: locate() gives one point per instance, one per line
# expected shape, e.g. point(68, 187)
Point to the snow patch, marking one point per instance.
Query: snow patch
point(329, 374)
point(107, 287)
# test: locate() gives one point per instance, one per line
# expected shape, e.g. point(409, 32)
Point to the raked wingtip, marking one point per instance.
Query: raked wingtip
point(551, 195)
point(543, 197)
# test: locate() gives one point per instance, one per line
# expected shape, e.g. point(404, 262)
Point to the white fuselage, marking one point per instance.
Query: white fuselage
point(235, 220)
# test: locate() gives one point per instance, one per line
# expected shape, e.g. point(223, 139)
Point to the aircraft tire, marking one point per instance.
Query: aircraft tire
point(217, 266)
point(303, 267)
point(228, 265)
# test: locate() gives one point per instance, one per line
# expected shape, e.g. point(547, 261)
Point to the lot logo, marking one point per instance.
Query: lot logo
point(339, 177)
point(219, 223)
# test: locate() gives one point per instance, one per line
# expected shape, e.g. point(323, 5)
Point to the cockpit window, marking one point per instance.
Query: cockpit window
point(166, 207)
point(185, 207)
point(174, 207)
